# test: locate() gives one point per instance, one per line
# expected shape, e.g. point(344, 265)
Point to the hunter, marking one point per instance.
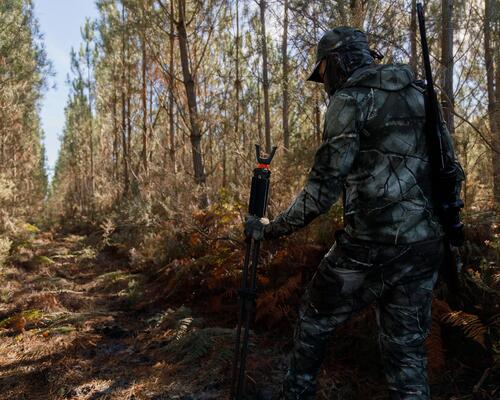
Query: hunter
point(374, 151)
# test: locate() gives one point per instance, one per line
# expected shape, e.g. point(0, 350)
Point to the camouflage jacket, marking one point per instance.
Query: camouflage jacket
point(375, 149)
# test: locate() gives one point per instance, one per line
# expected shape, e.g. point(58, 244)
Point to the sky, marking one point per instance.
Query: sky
point(60, 22)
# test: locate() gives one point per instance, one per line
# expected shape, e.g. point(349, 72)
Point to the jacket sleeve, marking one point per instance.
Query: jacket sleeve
point(332, 163)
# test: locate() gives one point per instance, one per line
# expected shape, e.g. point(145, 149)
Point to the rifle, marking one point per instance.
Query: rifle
point(445, 172)
point(257, 206)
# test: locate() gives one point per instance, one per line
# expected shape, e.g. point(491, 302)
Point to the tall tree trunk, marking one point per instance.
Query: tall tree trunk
point(413, 37)
point(126, 179)
point(115, 131)
point(317, 118)
point(447, 98)
point(2, 147)
point(151, 116)
point(129, 123)
point(199, 168)
point(237, 82)
point(144, 105)
point(259, 116)
point(465, 145)
point(343, 17)
point(357, 13)
point(493, 112)
point(224, 164)
point(225, 137)
point(316, 109)
point(91, 132)
point(496, 115)
point(265, 78)
point(171, 124)
point(284, 55)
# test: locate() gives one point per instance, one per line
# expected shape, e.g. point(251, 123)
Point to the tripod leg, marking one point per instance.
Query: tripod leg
point(241, 316)
point(248, 314)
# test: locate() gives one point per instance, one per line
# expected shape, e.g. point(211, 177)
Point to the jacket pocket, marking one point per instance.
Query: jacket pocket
point(359, 256)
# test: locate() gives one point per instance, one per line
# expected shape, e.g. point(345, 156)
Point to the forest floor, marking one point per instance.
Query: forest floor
point(71, 328)
point(79, 321)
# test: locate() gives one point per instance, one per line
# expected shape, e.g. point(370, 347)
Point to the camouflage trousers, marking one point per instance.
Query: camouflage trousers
point(399, 279)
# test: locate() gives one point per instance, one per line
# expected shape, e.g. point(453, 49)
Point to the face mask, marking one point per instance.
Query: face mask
point(335, 73)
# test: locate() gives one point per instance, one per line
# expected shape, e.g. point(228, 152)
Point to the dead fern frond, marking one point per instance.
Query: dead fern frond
point(272, 305)
point(472, 327)
point(435, 351)
point(439, 309)
point(434, 342)
point(495, 280)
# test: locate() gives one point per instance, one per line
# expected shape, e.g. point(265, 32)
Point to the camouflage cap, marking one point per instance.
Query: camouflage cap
point(334, 39)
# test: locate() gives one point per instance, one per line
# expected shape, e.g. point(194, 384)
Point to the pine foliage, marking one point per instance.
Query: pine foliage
point(24, 69)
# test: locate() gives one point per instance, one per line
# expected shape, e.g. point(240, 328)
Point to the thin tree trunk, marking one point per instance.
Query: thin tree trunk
point(129, 121)
point(115, 132)
point(144, 106)
point(465, 145)
point(126, 181)
point(317, 118)
point(492, 100)
point(2, 150)
point(237, 82)
point(496, 135)
point(199, 168)
point(91, 133)
point(284, 54)
point(343, 18)
point(171, 125)
point(259, 116)
point(225, 169)
point(316, 110)
point(224, 164)
point(357, 13)
point(265, 78)
point(151, 117)
point(447, 98)
point(413, 37)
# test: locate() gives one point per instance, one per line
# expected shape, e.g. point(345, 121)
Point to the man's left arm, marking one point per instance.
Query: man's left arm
point(332, 162)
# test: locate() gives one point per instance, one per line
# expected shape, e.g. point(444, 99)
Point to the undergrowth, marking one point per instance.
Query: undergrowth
point(194, 261)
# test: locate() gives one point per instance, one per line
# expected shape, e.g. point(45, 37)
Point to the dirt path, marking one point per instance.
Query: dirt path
point(86, 324)
point(69, 330)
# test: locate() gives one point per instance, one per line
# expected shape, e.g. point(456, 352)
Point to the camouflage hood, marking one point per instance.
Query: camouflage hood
point(350, 42)
point(389, 77)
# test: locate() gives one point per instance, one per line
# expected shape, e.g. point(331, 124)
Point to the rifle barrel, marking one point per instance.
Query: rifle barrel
point(433, 114)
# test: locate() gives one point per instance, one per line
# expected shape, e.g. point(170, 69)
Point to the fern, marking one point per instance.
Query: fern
point(272, 305)
point(189, 346)
point(435, 350)
point(495, 280)
point(180, 321)
point(472, 327)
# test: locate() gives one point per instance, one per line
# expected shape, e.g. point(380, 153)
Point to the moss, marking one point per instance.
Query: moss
point(43, 260)
point(115, 276)
point(31, 316)
point(58, 330)
point(29, 228)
